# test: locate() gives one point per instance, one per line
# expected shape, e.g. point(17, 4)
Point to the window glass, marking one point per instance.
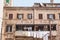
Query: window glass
point(9, 28)
point(29, 16)
point(53, 27)
point(28, 28)
point(24, 28)
point(58, 5)
point(18, 28)
point(51, 16)
point(19, 16)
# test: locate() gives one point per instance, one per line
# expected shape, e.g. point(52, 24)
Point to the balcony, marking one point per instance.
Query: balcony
point(38, 34)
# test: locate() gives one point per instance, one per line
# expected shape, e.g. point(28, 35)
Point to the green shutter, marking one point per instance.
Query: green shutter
point(7, 1)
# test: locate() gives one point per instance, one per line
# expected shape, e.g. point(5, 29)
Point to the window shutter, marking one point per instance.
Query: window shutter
point(59, 15)
point(10, 16)
point(29, 16)
point(9, 28)
point(40, 16)
point(20, 16)
point(53, 16)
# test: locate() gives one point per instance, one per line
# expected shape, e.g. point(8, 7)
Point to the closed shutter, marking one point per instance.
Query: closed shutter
point(10, 16)
point(40, 16)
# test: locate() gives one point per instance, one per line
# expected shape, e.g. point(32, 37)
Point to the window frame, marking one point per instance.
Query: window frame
point(49, 17)
point(10, 16)
point(59, 15)
point(20, 15)
point(8, 27)
point(40, 16)
point(29, 16)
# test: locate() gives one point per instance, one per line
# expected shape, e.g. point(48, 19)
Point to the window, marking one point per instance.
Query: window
point(40, 28)
point(58, 5)
point(18, 28)
point(46, 27)
point(28, 28)
point(40, 16)
point(59, 15)
point(29, 16)
point(51, 16)
point(19, 16)
point(24, 28)
point(10, 16)
point(53, 27)
point(9, 28)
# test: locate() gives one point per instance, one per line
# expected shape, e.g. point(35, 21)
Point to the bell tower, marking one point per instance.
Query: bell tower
point(7, 2)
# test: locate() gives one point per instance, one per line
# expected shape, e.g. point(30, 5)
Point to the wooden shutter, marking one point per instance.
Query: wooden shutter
point(10, 16)
point(40, 16)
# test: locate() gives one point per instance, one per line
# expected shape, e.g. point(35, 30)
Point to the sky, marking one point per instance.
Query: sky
point(22, 3)
point(31, 2)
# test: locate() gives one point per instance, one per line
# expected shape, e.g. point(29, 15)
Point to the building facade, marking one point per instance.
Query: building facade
point(26, 23)
point(0, 36)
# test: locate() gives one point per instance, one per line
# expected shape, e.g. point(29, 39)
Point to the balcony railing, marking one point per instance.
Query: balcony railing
point(38, 34)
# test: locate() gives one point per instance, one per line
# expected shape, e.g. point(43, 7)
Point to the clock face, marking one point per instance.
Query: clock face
point(7, 1)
